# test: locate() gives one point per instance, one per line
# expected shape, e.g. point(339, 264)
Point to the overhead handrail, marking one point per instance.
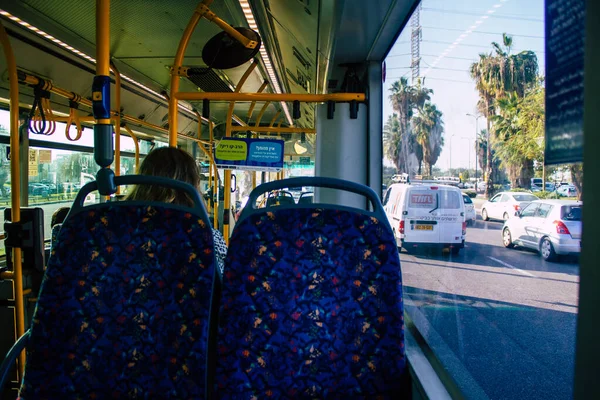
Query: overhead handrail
point(302, 97)
point(32, 80)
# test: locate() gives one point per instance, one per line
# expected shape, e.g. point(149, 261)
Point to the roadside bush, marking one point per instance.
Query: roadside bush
point(547, 195)
point(471, 193)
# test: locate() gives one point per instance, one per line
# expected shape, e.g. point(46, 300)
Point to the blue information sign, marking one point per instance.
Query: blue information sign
point(565, 31)
point(249, 154)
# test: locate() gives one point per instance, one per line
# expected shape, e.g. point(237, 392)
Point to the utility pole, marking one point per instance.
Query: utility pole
point(415, 42)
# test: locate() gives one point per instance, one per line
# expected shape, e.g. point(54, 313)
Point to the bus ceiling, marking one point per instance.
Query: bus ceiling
point(307, 47)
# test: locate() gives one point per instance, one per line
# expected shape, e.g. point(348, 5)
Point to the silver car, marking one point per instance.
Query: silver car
point(470, 215)
point(552, 227)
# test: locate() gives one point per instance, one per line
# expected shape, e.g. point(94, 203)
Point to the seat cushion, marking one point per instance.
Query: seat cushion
point(124, 306)
point(311, 307)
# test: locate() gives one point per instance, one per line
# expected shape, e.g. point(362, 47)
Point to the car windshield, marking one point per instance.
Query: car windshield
point(524, 197)
point(571, 213)
point(467, 199)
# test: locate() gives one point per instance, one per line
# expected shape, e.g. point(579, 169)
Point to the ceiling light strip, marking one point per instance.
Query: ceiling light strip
point(265, 57)
point(39, 32)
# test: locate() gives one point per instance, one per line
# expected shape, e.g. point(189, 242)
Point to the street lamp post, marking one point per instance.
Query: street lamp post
point(476, 144)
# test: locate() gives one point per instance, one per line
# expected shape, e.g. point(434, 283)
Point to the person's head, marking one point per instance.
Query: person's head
point(167, 162)
point(59, 216)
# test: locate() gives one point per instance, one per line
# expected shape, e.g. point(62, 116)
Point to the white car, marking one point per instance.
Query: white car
point(567, 191)
point(552, 227)
point(503, 205)
point(470, 214)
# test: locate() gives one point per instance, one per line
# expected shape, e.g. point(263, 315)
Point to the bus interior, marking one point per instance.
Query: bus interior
point(89, 88)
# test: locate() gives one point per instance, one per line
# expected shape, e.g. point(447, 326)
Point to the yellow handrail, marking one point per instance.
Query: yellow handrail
point(15, 186)
point(117, 119)
point(33, 80)
point(185, 39)
point(253, 104)
point(303, 97)
point(276, 129)
point(227, 173)
point(137, 148)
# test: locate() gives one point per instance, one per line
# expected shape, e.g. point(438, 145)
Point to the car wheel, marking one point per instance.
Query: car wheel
point(505, 216)
point(547, 250)
point(507, 239)
point(484, 215)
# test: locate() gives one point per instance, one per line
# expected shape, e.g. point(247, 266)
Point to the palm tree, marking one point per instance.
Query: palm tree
point(405, 99)
point(392, 140)
point(480, 72)
point(499, 73)
point(428, 126)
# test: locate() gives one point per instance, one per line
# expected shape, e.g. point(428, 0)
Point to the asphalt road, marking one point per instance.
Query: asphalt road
point(502, 321)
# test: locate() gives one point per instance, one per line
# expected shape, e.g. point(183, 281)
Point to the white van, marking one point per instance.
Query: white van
point(426, 215)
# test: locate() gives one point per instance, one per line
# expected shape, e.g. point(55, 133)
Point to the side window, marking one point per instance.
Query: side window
point(543, 210)
point(386, 196)
point(530, 210)
point(504, 198)
point(495, 199)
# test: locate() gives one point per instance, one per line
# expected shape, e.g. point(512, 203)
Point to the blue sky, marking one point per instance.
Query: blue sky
point(448, 49)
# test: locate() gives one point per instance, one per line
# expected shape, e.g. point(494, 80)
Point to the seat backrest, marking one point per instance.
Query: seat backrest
point(124, 306)
point(311, 304)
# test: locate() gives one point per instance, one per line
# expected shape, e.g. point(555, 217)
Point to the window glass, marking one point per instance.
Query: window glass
point(571, 213)
point(524, 197)
point(485, 310)
point(504, 198)
point(530, 210)
point(386, 197)
point(543, 210)
point(467, 200)
point(422, 199)
point(449, 199)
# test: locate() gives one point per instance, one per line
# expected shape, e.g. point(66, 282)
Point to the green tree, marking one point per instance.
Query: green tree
point(392, 140)
point(405, 99)
point(428, 128)
point(497, 74)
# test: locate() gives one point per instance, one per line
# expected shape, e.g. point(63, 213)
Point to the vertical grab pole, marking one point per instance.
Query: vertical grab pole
point(227, 180)
point(215, 197)
point(103, 140)
point(136, 142)
point(183, 43)
point(15, 187)
point(250, 110)
point(117, 120)
point(201, 146)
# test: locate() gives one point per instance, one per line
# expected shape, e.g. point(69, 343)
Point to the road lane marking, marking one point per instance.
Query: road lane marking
point(511, 267)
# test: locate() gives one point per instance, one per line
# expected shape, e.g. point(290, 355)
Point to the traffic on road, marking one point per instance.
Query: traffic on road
point(511, 303)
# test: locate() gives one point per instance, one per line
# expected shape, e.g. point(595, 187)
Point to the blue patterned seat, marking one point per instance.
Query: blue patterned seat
point(124, 307)
point(311, 307)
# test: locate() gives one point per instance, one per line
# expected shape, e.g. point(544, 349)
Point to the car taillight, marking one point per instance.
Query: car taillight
point(464, 227)
point(401, 227)
point(561, 228)
point(517, 207)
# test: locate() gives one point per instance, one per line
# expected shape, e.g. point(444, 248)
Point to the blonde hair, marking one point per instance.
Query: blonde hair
point(167, 162)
